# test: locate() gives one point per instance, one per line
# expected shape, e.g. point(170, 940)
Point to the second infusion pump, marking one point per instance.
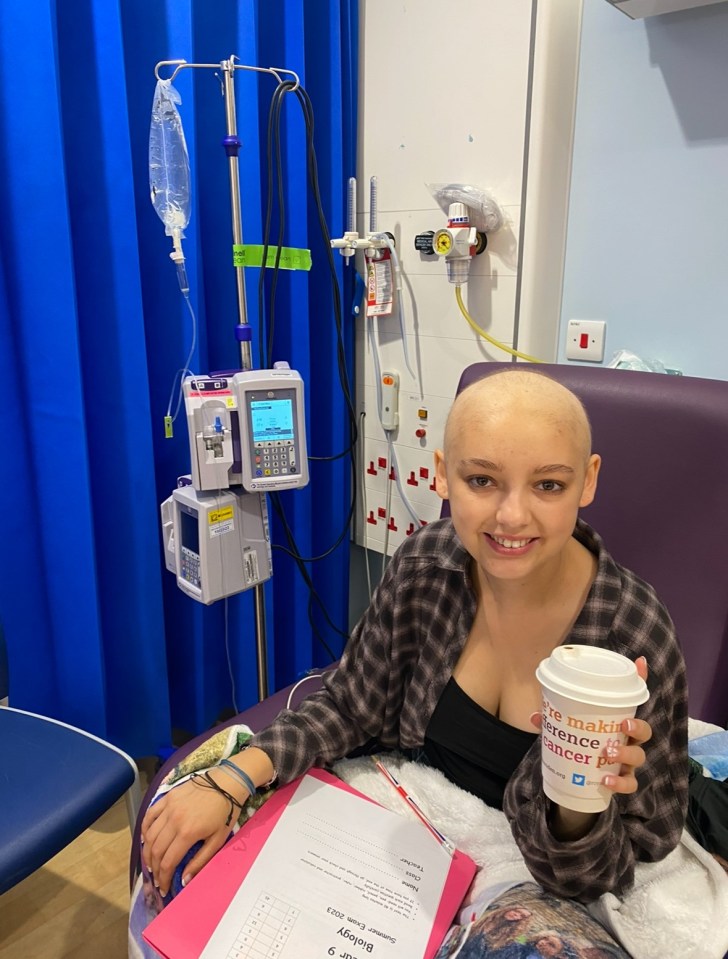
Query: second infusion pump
point(247, 429)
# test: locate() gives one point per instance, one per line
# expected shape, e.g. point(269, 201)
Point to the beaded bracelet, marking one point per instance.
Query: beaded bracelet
point(236, 771)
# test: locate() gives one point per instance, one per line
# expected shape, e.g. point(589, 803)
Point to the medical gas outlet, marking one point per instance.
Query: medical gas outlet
point(458, 242)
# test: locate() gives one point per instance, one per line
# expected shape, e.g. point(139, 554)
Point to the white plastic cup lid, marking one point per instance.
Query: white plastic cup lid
point(590, 674)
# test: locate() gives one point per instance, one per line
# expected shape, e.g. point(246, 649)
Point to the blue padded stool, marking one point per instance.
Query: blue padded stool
point(56, 781)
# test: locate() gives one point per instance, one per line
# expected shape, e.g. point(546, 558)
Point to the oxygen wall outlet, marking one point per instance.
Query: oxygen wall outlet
point(585, 340)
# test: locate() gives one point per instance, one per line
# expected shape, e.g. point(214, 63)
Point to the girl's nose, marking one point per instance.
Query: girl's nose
point(512, 510)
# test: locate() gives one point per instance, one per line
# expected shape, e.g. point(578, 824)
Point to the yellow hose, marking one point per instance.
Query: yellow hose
point(487, 336)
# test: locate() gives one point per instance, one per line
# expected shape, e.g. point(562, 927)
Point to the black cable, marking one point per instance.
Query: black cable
point(281, 225)
point(313, 594)
point(313, 559)
point(313, 176)
point(335, 456)
point(274, 147)
point(307, 108)
point(274, 161)
point(273, 124)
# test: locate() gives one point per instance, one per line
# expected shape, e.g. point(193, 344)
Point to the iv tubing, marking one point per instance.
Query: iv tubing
point(487, 336)
point(186, 368)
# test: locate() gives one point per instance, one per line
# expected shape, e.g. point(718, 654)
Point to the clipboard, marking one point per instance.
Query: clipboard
point(184, 928)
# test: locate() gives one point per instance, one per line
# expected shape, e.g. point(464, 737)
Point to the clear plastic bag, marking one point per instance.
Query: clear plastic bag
point(624, 360)
point(485, 214)
point(169, 164)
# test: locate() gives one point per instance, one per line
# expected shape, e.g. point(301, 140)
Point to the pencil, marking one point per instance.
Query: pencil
point(394, 782)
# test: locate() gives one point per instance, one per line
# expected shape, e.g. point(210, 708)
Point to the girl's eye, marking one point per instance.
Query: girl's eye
point(550, 486)
point(480, 482)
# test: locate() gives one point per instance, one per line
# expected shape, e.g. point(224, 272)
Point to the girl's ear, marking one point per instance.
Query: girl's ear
point(590, 480)
point(440, 475)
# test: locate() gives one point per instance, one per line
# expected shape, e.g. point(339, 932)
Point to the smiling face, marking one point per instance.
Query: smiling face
point(549, 946)
point(516, 468)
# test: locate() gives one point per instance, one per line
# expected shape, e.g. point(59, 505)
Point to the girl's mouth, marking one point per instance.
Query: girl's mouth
point(505, 546)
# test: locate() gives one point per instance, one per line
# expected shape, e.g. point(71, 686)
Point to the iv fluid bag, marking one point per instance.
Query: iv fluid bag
point(169, 164)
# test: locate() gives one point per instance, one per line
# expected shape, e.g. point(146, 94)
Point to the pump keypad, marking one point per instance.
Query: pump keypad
point(276, 458)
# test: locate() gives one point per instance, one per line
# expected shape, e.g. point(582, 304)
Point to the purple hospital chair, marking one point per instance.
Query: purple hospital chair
point(661, 508)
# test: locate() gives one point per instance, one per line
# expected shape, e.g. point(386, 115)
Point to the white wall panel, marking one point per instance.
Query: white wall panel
point(446, 96)
point(443, 96)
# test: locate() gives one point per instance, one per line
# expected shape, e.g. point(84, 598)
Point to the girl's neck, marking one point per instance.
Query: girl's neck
point(568, 576)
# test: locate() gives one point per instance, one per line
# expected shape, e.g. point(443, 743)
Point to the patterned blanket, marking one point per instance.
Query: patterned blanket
point(146, 902)
point(678, 907)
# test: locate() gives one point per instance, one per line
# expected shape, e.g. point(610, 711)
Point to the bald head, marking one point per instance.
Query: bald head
point(524, 393)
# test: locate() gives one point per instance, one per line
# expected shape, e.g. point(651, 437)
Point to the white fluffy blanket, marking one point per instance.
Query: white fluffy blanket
point(677, 908)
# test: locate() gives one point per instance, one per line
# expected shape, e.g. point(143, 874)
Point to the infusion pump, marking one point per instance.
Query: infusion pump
point(247, 429)
point(216, 544)
point(247, 436)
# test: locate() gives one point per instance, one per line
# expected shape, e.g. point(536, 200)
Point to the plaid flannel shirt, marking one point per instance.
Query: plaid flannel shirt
point(401, 655)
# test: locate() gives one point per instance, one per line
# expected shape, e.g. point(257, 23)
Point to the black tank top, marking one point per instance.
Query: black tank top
point(474, 749)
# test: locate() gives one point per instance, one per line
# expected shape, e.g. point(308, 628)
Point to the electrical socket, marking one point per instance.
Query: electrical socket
point(370, 530)
point(585, 340)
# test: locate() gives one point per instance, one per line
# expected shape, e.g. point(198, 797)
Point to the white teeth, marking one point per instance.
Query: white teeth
point(511, 543)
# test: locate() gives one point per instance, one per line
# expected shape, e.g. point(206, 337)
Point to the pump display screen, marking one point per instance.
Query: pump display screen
point(272, 419)
point(189, 531)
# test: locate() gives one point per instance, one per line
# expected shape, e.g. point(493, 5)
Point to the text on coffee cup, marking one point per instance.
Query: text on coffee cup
point(599, 728)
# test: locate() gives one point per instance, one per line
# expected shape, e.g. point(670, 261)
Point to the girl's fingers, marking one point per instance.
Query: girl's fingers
point(637, 730)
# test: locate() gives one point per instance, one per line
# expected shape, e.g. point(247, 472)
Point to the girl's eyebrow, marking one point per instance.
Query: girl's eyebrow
point(498, 468)
point(555, 468)
point(484, 464)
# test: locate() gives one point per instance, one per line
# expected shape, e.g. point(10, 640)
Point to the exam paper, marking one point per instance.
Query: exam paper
point(338, 876)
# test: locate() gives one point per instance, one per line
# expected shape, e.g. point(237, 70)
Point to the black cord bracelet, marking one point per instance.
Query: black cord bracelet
point(207, 782)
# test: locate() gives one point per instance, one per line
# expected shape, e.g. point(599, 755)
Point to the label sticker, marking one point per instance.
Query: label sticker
point(379, 287)
point(221, 521)
point(252, 571)
point(218, 515)
point(288, 257)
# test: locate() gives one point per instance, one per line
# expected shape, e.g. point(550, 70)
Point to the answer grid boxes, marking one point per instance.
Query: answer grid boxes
point(266, 930)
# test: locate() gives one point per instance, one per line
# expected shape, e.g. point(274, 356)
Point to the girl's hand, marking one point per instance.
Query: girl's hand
point(177, 820)
point(631, 755)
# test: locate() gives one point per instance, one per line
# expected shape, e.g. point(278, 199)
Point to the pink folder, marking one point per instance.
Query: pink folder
point(182, 929)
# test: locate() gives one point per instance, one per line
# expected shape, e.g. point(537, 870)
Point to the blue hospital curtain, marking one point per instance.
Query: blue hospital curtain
point(94, 331)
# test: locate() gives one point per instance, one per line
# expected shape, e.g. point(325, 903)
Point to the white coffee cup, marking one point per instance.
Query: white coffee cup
point(587, 692)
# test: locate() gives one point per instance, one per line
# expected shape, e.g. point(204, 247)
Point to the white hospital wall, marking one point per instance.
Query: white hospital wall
point(647, 242)
point(481, 93)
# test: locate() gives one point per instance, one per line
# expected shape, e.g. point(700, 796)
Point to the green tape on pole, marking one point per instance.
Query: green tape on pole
point(288, 257)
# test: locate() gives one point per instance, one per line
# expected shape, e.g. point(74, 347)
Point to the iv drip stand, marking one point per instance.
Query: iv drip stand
point(232, 147)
